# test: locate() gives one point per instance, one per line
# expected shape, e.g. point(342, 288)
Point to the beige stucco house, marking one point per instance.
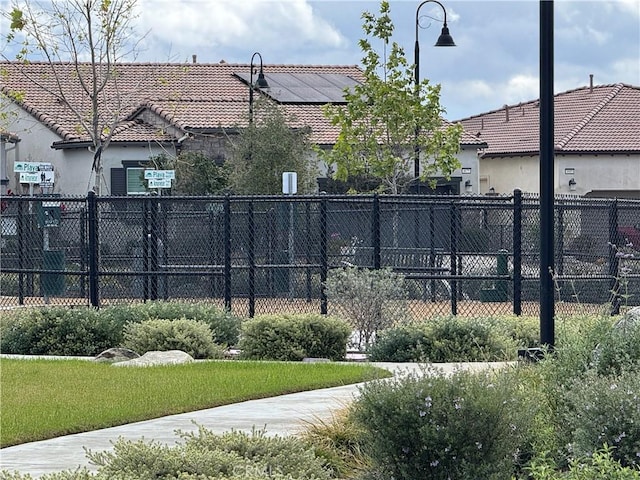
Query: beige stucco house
point(597, 143)
point(168, 108)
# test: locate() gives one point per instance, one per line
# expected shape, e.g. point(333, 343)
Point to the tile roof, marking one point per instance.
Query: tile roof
point(189, 96)
point(598, 119)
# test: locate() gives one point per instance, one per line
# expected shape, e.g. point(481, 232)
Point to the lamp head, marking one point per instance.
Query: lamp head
point(262, 81)
point(445, 39)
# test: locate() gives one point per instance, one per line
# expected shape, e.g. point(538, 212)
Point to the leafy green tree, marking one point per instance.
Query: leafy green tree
point(88, 38)
point(196, 174)
point(387, 115)
point(268, 147)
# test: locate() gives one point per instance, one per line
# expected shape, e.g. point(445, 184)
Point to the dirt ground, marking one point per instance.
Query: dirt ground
point(417, 308)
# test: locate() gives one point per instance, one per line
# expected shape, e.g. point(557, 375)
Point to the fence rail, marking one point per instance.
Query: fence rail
point(458, 254)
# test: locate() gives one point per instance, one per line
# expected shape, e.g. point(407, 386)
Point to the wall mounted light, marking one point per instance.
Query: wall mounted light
point(572, 185)
point(468, 187)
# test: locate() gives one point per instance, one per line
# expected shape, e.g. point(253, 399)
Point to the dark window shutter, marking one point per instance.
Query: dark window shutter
point(118, 182)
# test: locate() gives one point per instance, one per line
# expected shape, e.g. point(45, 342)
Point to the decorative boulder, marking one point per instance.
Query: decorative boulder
point(629, 320)
point(158, 358)
point(116, 355)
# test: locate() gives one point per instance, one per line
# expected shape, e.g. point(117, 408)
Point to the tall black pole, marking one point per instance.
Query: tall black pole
point(547, 307)
point(416, 80)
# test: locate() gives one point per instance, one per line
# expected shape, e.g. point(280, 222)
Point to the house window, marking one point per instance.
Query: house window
point(128, 180)
point(135, 181)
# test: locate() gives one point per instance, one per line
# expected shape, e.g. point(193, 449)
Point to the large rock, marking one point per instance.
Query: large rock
point(158, 358)
point(115, 355)
point(631, 319)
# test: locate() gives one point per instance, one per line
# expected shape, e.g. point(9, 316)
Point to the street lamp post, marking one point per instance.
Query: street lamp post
point(261, 82)
point(444, 40)
point(547, 301)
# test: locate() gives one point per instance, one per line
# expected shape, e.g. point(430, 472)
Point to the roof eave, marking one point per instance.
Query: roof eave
point(74, 145)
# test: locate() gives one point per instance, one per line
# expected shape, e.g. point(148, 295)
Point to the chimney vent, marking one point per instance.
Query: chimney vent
point(506, 112)
point(591, 83)
point(194, 58)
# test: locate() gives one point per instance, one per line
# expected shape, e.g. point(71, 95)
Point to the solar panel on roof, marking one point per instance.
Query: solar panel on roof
point(304, 87)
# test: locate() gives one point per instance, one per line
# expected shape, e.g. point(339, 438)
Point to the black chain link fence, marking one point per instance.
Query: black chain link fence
point(252, 255)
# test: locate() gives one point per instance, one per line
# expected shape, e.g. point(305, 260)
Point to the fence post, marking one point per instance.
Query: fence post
point(145, 250)
point(153, 250)
point(252, 260)
point(308, 242)
point(517, 252)
point(432, 248)
point(83, 250)
point(21, 233)
point(375, 231)
point(323, 255)
point(560, 241)
point(614, 285)
point(92, 228)
point(453, 270)
point(227, 253)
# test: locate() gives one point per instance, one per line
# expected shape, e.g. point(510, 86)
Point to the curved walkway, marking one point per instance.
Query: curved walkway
point(282, 415)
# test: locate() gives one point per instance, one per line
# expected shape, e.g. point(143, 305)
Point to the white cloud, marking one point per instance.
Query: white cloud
point(629, 6)
point(225, 24)
point(519, 88)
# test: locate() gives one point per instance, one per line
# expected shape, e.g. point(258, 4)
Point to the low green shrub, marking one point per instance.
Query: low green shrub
point(203, 455)
point(446, 339)
point(225, 327)
point(191, 336)
point(468, 425)
point(457, 339)
point(618, 350)
point(87, 332)
point(406, 343)
point(294, 337)
point(599, 466)
point(595, 410)
point(58, 331)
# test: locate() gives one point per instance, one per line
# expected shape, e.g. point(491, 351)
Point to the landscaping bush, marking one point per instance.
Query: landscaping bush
point(58, 331)
point(466, 426)
point(370, 300)
point(618, 350)
point(601, 465)
point(596, 410)
point(446, 339)
point(406, 343)
point(225, 327)
point(203, 455)
point(87, 332)
point(191, 336)
point(294, 337)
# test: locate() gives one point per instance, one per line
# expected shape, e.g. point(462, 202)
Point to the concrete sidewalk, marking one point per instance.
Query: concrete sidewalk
point(282, 415)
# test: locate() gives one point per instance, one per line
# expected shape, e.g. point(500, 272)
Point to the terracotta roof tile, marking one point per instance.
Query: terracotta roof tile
point(190, 96)
point(597, 119)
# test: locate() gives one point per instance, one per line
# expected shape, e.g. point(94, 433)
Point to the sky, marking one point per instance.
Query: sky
point(495, 62)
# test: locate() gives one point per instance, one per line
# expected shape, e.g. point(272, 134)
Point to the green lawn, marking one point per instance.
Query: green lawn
point(45, 398)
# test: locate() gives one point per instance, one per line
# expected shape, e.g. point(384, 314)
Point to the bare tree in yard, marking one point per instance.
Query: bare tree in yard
point(378, 123)
point(81, 42)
